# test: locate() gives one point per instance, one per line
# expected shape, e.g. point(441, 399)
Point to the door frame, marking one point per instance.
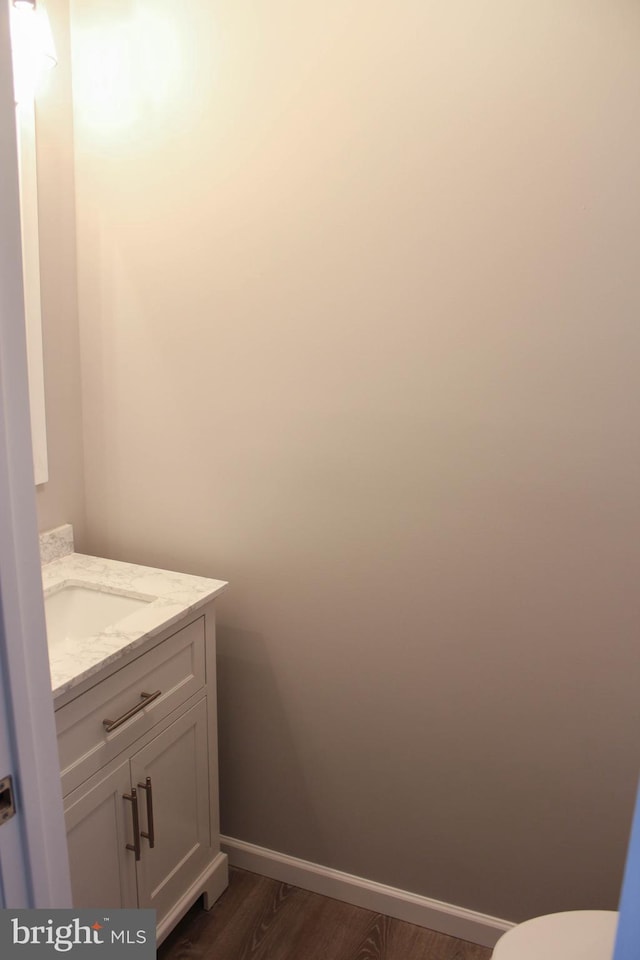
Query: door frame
point(34, 869)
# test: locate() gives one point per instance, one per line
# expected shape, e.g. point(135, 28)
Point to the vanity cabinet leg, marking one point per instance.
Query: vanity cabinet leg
point(217, 882)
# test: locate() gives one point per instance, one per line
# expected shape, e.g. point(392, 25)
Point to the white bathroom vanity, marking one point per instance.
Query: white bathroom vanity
point(133, 666)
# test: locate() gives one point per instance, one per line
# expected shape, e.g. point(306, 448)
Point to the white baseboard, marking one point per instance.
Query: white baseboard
point(433, 914)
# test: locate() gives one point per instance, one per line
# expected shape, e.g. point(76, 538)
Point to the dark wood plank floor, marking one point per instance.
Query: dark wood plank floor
point(262, 919)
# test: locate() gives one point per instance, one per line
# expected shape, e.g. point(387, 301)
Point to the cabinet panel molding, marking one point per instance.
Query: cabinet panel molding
point(176, 762)
point(98, 822)
point(176, 667)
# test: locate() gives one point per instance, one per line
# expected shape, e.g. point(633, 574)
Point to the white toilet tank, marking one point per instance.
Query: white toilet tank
point(575, 935)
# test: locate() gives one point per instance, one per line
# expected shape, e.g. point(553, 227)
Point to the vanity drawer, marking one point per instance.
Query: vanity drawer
point(175, 668)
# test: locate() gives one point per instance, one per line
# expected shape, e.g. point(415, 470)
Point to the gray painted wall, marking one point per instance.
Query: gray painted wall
point(358, 295)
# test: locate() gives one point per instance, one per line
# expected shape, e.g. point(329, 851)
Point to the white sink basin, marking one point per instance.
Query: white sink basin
point(74, 611)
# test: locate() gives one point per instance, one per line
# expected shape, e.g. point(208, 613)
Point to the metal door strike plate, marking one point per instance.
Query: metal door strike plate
point(7, 803)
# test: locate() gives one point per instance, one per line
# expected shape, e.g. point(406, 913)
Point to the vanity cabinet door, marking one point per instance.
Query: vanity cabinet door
point(176, 763)
point(99, 827)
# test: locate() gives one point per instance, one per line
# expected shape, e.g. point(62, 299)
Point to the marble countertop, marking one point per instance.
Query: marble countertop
point(171, 597)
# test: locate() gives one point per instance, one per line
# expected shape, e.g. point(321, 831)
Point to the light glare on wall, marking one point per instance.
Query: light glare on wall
point(126, 67)
point(32, 47)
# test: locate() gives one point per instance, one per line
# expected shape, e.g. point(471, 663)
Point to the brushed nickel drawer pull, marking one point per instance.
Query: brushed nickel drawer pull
point(133, 799)
point(147, 698)
point(151, 835)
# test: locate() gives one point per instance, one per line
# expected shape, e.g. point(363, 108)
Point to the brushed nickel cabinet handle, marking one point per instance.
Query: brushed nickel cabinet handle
point(133, 799)
point(147, 698)
point(151, 835)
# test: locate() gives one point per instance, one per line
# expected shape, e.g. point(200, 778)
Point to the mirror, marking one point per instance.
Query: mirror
point(32, 54)
point(26, 127)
